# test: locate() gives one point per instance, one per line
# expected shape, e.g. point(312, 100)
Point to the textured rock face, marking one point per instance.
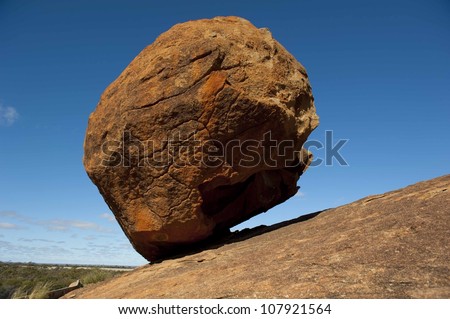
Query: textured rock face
point(203, 130)
point(393, 245)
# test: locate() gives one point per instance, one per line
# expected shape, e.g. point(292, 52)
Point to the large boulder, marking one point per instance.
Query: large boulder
point(203, 130)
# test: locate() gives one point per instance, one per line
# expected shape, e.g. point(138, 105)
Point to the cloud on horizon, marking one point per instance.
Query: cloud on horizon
point(8, 226)
point(52, 224)
point(116, 251)
point(34, 240)
point(64, 225)
point(15, 251)
point(14, 215)
point(9, 213)
point(55, 240)
point(8, 115)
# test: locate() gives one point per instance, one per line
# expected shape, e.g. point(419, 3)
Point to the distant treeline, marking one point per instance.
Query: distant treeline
point(64, 265)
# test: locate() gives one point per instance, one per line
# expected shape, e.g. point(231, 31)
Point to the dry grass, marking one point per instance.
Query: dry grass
point(96, 275)
point(21, 281)
point(40, 291)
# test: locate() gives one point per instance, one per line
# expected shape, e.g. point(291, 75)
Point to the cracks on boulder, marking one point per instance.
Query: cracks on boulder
point(201, 56)
point(172, 209)
point(213, 109)
point(164, 98)
point(230, 107)
point(178, 180)
point(151, 76)
point(215, 66)
point(191, 60)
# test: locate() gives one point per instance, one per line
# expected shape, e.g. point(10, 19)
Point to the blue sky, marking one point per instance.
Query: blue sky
point(380, 72)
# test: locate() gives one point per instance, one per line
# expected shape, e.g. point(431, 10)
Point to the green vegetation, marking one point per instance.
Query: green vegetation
point(35, 281)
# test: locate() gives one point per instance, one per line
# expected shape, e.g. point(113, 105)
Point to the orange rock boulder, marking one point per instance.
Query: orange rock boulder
point(203, 130)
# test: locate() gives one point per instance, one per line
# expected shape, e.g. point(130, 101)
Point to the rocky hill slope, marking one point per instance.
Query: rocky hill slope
point(394, 245)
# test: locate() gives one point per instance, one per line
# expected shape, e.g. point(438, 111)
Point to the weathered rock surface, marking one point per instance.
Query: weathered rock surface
point(203, 130)
point(394, 245)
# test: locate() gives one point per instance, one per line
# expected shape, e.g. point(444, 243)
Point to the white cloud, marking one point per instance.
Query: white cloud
point(108, 217)
point(82, 224)
point(17, 252)
point(8, 115)
point(52, 224)
point(16, 216)
point(8, 213)
point(8, 226)
point(64, 225)
point(34, 240)
point(58, 224)
point(299, 194)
